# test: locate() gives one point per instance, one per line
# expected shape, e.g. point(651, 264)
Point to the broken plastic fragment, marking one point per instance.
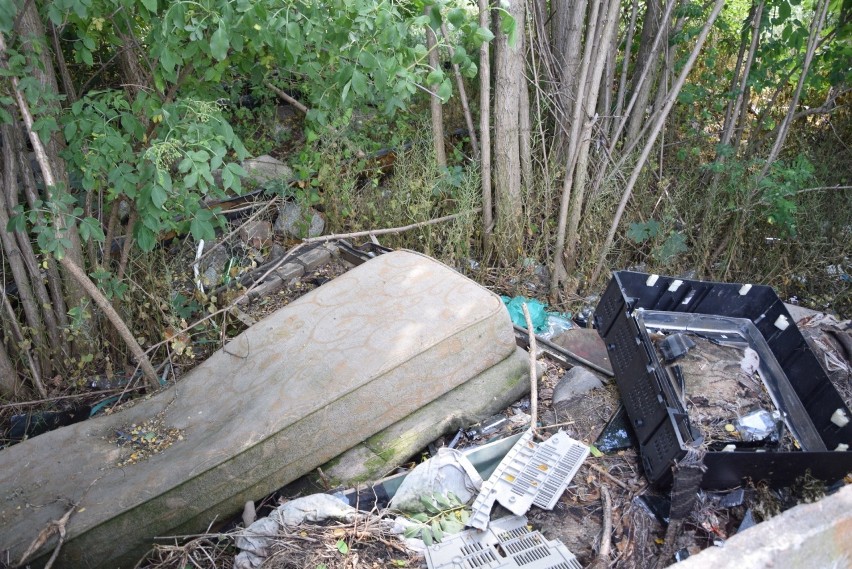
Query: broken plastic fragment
point(744, 289)
point(652, 280)
point(782, 323)
point(675, 346)
point(530, 474)
point(839, 418)
point(842, 447)
point(508, 543)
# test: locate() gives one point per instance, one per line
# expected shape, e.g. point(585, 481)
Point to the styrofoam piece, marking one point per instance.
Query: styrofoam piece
point(744, 289)
point(530, 474)
point(782, 323)
point(508, 543)
point(839, 418)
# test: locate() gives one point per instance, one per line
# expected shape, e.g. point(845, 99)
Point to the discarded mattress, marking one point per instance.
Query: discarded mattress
point(298, 388)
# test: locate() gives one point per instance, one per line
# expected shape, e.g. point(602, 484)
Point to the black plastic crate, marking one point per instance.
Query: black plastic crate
point(662, 424)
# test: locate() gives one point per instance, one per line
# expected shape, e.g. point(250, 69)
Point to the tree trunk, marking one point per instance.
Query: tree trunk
point(559, 265)
point(434, 101)
point(652, 137)
point(608, 24)
point(32, 34)
point(468, 119)
point(625, 64)
point(646, 63)
point(509, 63)
point(569, 17)
point(485, 129)
point(525, 134)
point(10, 382)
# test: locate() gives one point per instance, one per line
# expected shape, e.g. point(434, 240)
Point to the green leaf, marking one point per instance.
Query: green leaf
point(411, 531)
point(445, 91)
point(456, 17)
point(437, 532)
point(219, 43)
point(641, 232)
point(201, 229)
point(483, 35)
point(151, 5)
point(359, 83)
point(92, 227)
point(146, 239)
point(426, 536)
point(429, 506)
point(420, 517)
point(435, 77)
point(342, 547)
point(70, 130)
point(442, 501)
point(158, 196)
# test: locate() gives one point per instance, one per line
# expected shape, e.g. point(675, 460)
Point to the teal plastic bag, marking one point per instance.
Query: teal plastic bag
point(538, 314)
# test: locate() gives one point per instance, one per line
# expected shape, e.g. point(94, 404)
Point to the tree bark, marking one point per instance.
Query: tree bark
point(434, 101)
point(609, 19)
point(10, 382)
point(569, 17)
point(485, 129)
point(646, 64)
point(509, 63)
point(625, 64)
point(32, 33)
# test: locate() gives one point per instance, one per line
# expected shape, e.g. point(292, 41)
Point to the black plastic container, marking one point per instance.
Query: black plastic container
point(660, 421)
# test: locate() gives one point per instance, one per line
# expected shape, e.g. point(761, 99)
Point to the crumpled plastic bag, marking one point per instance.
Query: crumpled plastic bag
point(447, 471)
point(538, 313)
point(257, 539)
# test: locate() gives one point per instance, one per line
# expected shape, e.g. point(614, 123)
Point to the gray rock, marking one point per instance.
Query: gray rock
point(257, 234)
point(213, 267)
point(295, 220)
point(267, 169)
point(576, 381)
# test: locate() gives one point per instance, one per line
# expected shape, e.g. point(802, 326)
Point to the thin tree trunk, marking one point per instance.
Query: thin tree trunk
point(468, 119)
point(525, 134)
point(30, 29)
point(820, 10)
point(610, 19)
point(485, 129)
point(434, 101)
point(628, 112)
point(67, 261)
point(568, 19)
point(625, 64)
point(10, 382)
point(509, 63)
point(18, 337)
point(608, 78)
point(646, 64)
point(559, 266)
point(652, 137)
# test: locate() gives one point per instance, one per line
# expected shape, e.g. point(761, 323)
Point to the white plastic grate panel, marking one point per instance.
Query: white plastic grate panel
point(507, 544)
point(530, 474)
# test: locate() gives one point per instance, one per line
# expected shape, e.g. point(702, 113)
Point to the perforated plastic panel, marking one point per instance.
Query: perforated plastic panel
point(508, 543)
point(531, 473)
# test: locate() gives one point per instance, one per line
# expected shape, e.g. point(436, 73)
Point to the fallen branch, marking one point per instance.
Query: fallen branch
point(390, 230)
point(287, 98)
point(602, 561)
point(533, 374)
point(603, 472)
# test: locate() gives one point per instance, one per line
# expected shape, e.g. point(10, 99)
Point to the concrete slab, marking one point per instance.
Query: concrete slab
point(297, 389)
point(804, 537)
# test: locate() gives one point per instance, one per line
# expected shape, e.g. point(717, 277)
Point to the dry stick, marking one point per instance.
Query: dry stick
point(390, 230)
point(602, 561)
point(75, 271)
point(652, 137)
point(474, 143)
point(603, 472)
point(293, 102)
point(533, 374)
